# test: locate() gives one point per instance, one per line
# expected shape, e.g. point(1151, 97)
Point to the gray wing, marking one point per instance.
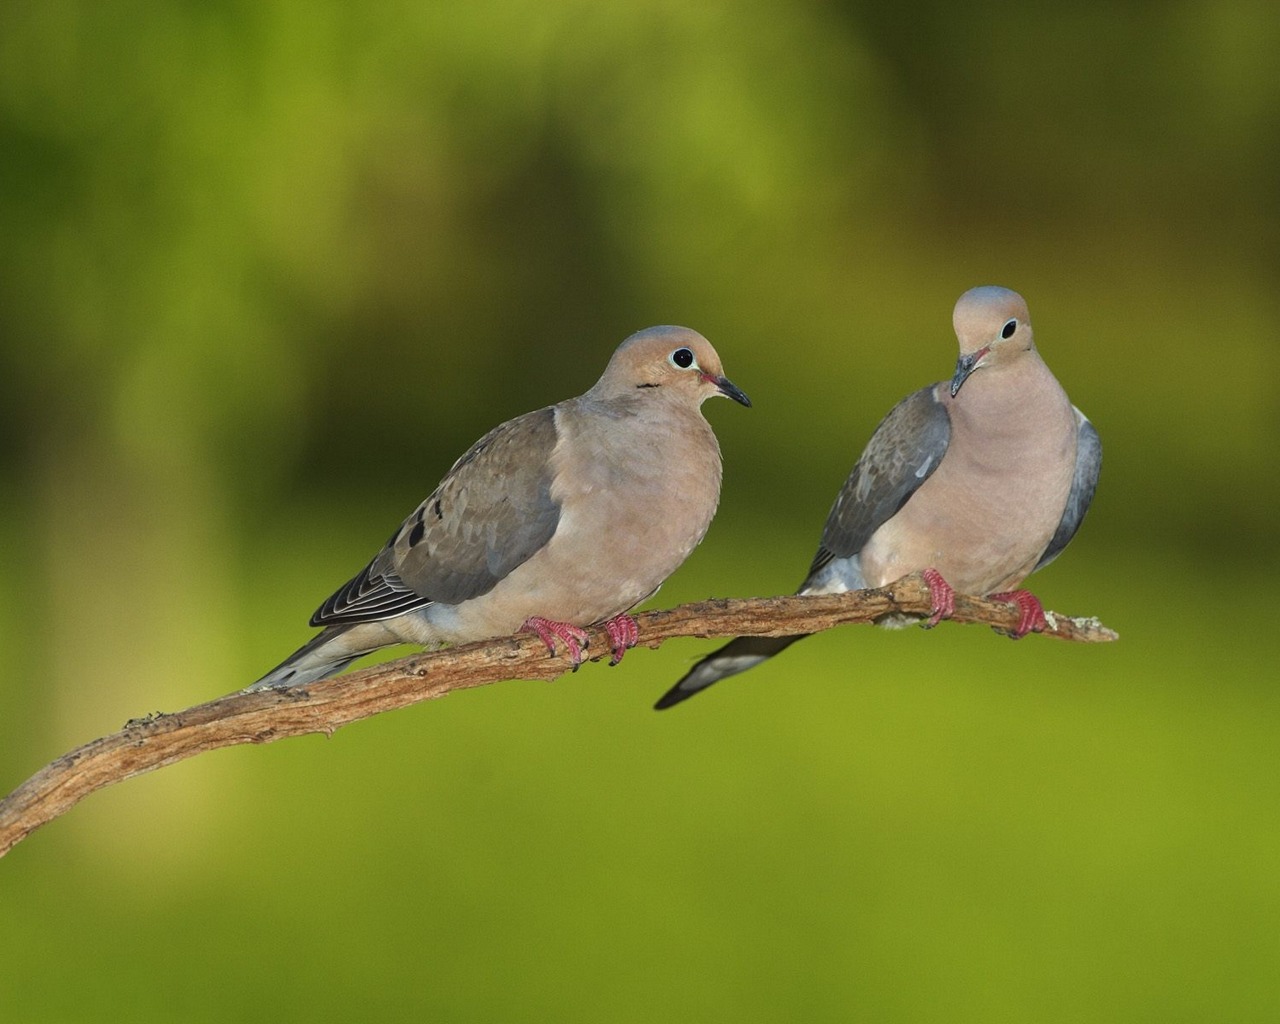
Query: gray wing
point(491, 512)
point(902, 454)
point(1083, 484)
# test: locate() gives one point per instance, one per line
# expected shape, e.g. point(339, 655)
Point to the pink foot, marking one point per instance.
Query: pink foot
point(1031, 612)
point(942, 595)
point(623, 634)
point(573, 638)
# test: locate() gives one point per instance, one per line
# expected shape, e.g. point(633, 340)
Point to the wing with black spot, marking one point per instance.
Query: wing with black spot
point(491, 512)
point(902, 454)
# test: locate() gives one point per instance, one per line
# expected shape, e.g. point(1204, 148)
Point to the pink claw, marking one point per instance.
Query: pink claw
point(573, 638)
point(623, 634)
point(942, 595)
point(1031, 612)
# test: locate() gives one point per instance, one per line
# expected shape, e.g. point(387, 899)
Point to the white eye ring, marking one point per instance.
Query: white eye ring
point(682, 358)
point(1007, 330)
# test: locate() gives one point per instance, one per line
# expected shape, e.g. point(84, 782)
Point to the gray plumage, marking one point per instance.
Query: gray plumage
point(984, 478)
point(902, 454)
point(562, 518)
point(1083, 483)
point(443, 554)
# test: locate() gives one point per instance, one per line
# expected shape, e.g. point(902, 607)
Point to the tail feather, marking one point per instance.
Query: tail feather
point(736, 656)
point(324, 655)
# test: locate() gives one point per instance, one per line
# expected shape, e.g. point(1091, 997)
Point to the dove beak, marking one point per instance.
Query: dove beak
point(965, 365)
point(728, 388)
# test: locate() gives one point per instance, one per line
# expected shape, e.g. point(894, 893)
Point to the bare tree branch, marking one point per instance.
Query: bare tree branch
point(263, 716)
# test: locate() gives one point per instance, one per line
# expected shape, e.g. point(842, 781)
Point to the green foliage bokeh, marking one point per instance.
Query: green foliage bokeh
point(268, 268)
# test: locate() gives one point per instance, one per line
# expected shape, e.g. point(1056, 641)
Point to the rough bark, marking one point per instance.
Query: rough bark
point(145, 744)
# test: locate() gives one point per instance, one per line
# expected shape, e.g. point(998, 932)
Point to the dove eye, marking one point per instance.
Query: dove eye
point(682, 357)
point(1008, 329)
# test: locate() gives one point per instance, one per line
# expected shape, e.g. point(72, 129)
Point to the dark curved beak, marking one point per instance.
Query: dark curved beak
point(965, 365)
point(731, 390)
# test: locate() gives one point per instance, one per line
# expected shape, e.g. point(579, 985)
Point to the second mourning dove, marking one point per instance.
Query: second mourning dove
point(976, 482)
point(558, 519)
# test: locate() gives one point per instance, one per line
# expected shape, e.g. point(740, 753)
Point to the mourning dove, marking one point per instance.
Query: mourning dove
point(976, 482)
point(555, 520)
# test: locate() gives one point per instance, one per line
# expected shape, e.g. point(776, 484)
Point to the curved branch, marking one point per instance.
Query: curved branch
point(262, 716)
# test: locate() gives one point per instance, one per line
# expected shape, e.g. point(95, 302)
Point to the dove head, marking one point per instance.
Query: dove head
point(668, 361)
point(994, 329)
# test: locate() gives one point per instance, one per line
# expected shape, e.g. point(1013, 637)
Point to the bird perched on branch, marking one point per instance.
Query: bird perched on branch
point(562, 518)
point(976, 482)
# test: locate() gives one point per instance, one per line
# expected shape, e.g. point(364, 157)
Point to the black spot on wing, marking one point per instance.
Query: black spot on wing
point(500, 513)
point(503, 483)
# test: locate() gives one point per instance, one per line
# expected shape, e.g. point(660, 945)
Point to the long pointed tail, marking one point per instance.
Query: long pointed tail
point(324, 655)
point(736, 656)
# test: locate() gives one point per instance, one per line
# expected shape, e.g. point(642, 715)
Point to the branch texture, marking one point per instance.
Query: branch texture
point(145, 744)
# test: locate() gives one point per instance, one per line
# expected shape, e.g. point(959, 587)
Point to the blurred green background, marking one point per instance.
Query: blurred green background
point(268, 268)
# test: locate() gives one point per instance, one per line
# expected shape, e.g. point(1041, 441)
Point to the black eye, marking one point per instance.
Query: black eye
point(683, 358)
point(1008, 329)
